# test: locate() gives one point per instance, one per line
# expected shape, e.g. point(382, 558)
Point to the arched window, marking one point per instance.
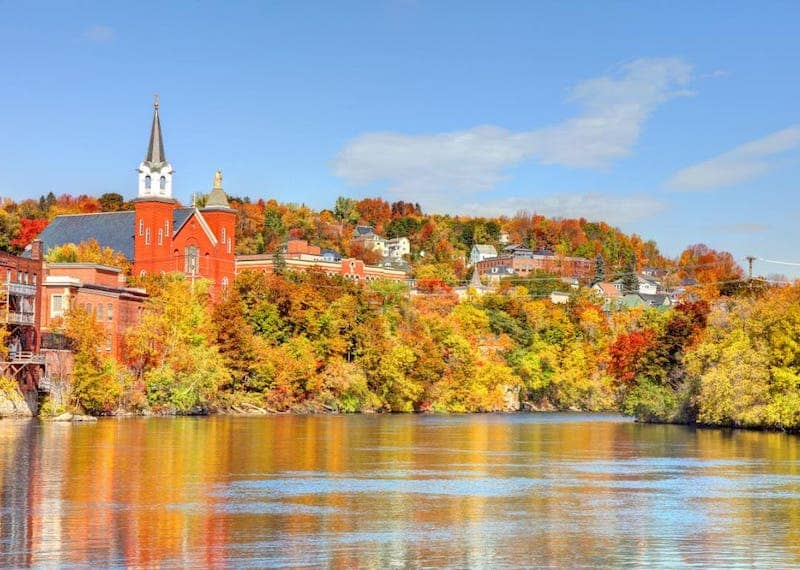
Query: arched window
point(160, 237)
point(147, 236)
point(147, 182)
point(229, 245)
point(141, 227)
point(223, 235)
point(99, 311)
point(162, 183)
point(142, 273)
point(191, 259)
point(224, 284)
point(166, 227)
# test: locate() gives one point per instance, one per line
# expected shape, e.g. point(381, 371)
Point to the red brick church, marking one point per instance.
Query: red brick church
point(159, 235)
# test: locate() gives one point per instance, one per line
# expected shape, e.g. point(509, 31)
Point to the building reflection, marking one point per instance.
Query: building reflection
point(382, 491)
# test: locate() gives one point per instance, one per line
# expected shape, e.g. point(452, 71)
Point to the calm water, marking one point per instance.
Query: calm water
point(489, 491)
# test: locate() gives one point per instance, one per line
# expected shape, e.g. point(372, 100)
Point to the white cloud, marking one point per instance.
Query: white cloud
point(593, 206)
point(100, 34)
point(741, 164)
point(614, 110)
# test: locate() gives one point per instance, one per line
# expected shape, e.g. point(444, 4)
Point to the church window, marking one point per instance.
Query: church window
point(147, 236)
point(160, 237)
point(166, 227)
point(147, 182)
point(99, 311)
point(162, 182)
point(224, 284)
point(142, 273)
point(8, 276)
point(223, 235)
point(141, 227)
point(110, 312)
point(229, 245)
point(192, 259)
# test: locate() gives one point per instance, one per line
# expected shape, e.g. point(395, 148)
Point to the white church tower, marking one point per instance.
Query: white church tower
point(155, 173)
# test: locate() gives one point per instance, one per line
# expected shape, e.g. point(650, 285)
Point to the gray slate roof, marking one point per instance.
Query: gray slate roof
point(110, 229)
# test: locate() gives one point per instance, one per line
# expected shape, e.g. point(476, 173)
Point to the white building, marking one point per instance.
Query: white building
point(480, 252)
point(398, 247)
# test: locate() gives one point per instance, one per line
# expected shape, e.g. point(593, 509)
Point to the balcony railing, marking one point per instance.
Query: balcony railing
point(20, 288)
point(20, 318)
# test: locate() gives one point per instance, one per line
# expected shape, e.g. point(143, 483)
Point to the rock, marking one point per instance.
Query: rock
point(13, 404)
point(84, 419)
point(65, 417)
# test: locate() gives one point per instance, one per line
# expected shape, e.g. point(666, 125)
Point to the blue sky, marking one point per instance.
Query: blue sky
point(679, 121)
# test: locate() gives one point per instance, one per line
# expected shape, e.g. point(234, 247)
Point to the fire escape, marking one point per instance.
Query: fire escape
point(23, 361)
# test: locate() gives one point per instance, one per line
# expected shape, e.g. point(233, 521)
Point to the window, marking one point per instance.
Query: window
point(160, 237)
point(8, 275)
point(56, 305)
point(142, 273)
point(223, 235)
point(108, 343)
point(110, 312)
point(99, 311)
point(229, 245)
point(141, 227)
point(224, 284)
point(166, 227)
point(162, 183)
point(147, 182)
point(147, 236)
point(89, 308)
point(34, 279)
point(192, 259)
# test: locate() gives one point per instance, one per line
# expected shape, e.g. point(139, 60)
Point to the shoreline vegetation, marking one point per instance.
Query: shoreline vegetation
point(727, 354)
point(307, 343)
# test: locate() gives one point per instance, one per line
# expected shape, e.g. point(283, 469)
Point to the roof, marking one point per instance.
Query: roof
point(608, 290)
point(155, 149)
point(109, 229)
point(483, 248)
point(656, 300)
point(217, 200)
point(364, 230)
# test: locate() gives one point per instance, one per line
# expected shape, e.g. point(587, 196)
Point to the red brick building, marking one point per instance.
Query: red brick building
point(159, 235)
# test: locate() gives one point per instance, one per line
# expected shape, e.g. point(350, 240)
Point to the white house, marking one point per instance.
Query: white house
point(398, 247)
point(480, 252)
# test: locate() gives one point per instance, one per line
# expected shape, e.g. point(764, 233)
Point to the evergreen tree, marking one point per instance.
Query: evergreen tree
point(599, 269)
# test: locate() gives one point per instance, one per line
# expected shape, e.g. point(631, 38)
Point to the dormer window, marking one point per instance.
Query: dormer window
point(147, 182)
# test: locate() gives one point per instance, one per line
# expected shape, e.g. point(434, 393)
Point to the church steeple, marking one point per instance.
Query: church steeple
point(155, 173)
point(155, 150)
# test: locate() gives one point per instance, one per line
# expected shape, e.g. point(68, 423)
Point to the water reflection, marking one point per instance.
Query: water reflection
point(396, 491)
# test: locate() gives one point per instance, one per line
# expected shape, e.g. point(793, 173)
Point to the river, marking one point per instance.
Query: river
point(381, 491)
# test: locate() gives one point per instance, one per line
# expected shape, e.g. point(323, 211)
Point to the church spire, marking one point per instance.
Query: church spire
point(155, 150)
point(155, 173)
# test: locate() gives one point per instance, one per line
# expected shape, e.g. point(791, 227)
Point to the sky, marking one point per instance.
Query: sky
point(678, 121)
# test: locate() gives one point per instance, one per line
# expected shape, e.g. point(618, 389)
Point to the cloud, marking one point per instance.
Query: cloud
point(593, 206)
point(100, 34)
point(614, 110)
point(740, 228)
point(743, 163)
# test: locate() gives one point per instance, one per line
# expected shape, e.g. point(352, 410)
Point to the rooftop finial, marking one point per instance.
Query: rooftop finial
point(155, 100)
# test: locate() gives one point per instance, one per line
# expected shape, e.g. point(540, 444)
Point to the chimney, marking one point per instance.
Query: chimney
point(36, 250)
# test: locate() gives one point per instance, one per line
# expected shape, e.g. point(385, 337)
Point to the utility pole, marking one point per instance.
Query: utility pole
point(750, 259)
